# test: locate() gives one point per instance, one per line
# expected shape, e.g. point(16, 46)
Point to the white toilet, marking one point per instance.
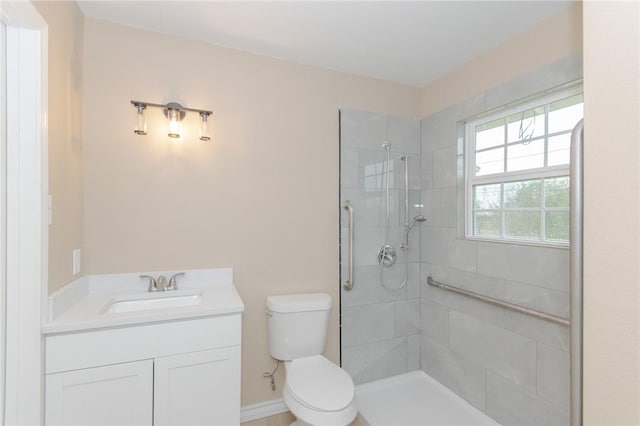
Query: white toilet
point(317, 391)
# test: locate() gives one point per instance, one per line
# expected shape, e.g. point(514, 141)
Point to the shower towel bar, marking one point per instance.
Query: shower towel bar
point(498, 302)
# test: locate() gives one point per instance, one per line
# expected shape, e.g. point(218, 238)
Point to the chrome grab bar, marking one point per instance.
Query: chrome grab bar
point(575, 264)
point(500, 303)
point(348, 284)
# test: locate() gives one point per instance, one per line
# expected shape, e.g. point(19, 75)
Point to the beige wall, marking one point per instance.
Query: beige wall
point(551, 40)
point(65, 27)
point(612, 213)
point(261, 198)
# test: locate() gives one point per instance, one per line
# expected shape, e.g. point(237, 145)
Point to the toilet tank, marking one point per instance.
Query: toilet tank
point(297, 324)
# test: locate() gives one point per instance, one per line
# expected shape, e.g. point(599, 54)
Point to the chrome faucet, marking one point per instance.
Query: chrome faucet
point(161, 284)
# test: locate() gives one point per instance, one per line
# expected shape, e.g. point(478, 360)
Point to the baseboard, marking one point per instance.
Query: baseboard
point(262, 410)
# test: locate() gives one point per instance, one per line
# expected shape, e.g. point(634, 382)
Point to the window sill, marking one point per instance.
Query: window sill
point(547, 244)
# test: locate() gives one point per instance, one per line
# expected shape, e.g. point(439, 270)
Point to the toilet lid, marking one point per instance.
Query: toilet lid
point(317, 382)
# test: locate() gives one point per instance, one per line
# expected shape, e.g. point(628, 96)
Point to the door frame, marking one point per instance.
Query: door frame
point(26, 218)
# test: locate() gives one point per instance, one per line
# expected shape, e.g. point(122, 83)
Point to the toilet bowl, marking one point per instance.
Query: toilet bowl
point(318, 392)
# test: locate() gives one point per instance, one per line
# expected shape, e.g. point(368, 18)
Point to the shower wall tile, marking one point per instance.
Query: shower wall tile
point(413, 352)
point(523, 358)
point(436, 133)
point(367, 289)
point(510, 404)
point(348, 171)
point(447, 198)
point(415, 208)
point(456, 372)
point(507, 353)
point(445, 167)
point(441, 246)
point(479, 310)
point(427, 170)
point(398, 171)
point(414, 285)
point(541, 266)
point(370, 318)
point(404, 134)
point(484, 285)
point(543, 331)
point(367, 323)
point(435, 322)
point(407, 320)
point(431, 207)
point(488, 286)
point(368, 241)
point(369, 208)
point(362, 129)
point(366, 245)
point(562, 71)
point(542, 299)
point(425, 271)
point(376, 360)
point(439, 129)
point(553, 375)
point(438, 204)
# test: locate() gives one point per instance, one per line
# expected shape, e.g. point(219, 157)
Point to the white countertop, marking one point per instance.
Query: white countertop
point(84, 304)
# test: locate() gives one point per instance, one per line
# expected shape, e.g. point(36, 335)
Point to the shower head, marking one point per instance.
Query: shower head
point(418, 218)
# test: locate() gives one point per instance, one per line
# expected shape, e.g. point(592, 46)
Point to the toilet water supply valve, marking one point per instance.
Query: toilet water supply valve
point(270, 376)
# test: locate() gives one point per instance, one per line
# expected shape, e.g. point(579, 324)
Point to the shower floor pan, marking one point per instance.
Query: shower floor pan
point(414, 398)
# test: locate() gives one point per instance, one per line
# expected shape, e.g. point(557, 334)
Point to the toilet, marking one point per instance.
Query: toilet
point(317, 391)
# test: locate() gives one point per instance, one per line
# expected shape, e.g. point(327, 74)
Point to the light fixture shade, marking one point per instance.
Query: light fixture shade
point(174, 123)
point(141, 120)
point(205, 134)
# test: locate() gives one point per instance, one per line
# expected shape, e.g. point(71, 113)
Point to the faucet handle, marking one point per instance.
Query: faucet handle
point(173, 285)
point(153, 285)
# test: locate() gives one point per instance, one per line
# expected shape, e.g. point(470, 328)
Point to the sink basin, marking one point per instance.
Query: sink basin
point(144, 302)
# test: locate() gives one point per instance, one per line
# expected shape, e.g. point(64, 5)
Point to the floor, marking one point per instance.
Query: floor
point(284, 419)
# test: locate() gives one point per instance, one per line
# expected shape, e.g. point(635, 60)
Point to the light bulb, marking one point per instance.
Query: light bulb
point(204, 127)
point(141, 120)
point(174, 123)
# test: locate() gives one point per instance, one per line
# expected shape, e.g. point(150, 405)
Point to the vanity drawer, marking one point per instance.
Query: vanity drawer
point(93, 348)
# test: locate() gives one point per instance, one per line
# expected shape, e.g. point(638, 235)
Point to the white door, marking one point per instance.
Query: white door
point(120, 394)
point(199, 388)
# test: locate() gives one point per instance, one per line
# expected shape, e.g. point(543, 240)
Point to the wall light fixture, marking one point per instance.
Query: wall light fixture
point(175, 113)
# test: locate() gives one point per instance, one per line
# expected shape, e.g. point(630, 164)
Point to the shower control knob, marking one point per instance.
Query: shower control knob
point(386, 256)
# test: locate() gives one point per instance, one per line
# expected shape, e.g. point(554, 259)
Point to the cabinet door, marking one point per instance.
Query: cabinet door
point(198, 388)
point(120, 394)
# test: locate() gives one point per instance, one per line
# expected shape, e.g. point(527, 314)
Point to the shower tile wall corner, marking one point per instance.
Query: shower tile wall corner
point(513, 367)
point(380, 326)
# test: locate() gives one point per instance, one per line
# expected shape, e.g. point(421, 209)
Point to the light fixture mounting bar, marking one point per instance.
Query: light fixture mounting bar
point(165, 106)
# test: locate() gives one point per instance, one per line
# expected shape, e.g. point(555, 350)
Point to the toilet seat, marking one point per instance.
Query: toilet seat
point(319, 384)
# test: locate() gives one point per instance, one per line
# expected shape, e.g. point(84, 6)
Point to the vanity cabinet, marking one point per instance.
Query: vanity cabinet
point(193, 389)
point(184, 372)
point(120, 394)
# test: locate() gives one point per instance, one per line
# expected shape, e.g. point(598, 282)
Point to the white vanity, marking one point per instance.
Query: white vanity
point(117, 354)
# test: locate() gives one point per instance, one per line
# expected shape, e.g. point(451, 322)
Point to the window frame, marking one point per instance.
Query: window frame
point(541, 173)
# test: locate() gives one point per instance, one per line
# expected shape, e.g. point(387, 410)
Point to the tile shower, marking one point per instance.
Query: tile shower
point(513, 367)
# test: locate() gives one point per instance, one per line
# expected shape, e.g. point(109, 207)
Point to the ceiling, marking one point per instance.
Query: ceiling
point(409, 42)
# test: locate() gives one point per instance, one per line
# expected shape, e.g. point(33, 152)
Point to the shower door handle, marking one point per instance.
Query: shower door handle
point(348, 284)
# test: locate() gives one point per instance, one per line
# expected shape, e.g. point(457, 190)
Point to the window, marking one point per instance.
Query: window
point(517, 171)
